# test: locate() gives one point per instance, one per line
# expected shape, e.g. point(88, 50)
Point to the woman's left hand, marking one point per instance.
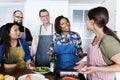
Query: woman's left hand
point(80, 65)
point(88, 70)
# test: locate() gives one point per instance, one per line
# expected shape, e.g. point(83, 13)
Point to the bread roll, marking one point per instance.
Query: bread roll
point(8, 77)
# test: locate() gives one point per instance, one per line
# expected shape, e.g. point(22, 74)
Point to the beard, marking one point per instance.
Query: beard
point(19, 24)
point(21, 27)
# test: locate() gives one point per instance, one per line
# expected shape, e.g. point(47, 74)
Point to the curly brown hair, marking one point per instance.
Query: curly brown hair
point(57, 23)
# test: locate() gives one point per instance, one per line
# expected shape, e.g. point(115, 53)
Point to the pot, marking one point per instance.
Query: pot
point(10, 68)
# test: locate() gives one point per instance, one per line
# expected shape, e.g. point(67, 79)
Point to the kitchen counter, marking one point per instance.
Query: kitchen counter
point(20, 72)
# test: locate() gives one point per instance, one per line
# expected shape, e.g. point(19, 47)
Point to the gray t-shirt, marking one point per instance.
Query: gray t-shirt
point(109, 47)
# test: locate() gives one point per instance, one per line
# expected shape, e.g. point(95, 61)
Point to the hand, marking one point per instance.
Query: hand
point(49, 53)
point(88, 70)
point(80, 65)
point(31, 66)
point(81, 55)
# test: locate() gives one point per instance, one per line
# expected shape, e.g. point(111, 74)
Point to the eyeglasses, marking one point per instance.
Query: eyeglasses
point(44, 16)
point(19, 17)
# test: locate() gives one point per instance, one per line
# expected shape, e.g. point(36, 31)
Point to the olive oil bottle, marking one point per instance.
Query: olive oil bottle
point(53, 64)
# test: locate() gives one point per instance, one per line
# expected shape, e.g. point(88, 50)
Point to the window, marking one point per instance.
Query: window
point(78, 16)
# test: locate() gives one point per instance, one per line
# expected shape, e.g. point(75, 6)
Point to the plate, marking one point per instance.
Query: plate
point(33, 77)
point(62, 73)
point(41, 70)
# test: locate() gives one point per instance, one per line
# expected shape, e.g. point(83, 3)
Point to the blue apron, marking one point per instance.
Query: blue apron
point(42, 58)
point(66, 55)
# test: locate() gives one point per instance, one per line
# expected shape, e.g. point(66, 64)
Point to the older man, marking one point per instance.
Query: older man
point(42, 39)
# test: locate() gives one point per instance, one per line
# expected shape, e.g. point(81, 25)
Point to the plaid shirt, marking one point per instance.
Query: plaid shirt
point(66, 39)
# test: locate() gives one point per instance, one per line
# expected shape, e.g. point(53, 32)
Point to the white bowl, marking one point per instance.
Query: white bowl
point(33, 77)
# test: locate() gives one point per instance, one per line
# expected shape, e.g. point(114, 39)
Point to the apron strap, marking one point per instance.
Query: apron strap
point(40, 29)
point(24, 32)
point(52, 28)
point(19, 42)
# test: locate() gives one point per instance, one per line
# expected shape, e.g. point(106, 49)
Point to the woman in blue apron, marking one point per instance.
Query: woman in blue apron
point(66, 46)
point(66, 56)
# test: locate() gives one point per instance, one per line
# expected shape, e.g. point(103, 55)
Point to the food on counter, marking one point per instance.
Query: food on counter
point(32, 76)
point(70, 77)
point(28, 77)
point(1, 77)
point(41, 69)
point(8, 77)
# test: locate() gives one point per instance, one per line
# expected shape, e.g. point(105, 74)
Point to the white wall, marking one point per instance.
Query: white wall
point(32, 9)
point(6, 11)
point(111, 6)
point(118, 17)
point(118, 28)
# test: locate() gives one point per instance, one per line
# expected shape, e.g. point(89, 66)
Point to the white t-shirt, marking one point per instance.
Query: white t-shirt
point(47, 31)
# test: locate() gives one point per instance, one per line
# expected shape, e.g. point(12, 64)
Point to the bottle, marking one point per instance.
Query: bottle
point(52, 64)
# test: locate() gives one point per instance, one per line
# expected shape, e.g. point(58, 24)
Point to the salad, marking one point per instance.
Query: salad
point(41, 69)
